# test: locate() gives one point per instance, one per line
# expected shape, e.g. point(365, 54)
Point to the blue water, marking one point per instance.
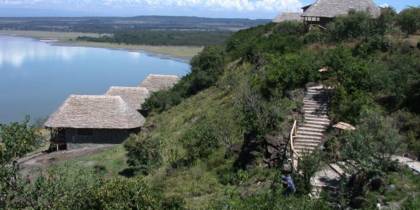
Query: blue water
point(36, 77)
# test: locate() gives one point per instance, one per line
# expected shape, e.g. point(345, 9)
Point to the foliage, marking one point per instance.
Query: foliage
point(269, 200)
point(308, 165)
point(143, 154)
point(163, 37)
point(206, 68)
point(64, 188)
point(409, 20)
point(17, 139)
point(373, 143)
point(200, 141)
point(355, 25)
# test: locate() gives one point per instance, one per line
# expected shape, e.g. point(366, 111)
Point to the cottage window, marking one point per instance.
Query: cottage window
point(85, 132)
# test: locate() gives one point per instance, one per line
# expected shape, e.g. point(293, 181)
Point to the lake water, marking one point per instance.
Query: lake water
point(36, 77)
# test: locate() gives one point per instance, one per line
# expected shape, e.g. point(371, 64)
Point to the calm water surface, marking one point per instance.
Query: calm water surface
point(36, 77)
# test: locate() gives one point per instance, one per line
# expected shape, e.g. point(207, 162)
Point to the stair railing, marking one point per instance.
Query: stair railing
point(294, 154)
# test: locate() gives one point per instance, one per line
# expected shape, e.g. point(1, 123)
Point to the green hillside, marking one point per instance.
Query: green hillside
point(208, 142)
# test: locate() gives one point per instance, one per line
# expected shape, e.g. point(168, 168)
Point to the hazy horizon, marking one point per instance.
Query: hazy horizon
point(252, 9)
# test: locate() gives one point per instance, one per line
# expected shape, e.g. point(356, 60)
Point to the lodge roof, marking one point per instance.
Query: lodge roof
point(133, 96)
point(157, 82)
point(333, 8)
point(288, 16)
point(95, 112)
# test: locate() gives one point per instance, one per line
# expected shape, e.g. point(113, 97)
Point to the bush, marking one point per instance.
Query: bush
point(409, 20)
point(355, 25)
point(17, 139)
point(200, 141)
point(206, 68)
point(269, 201)
point(143, 153)
point(373, 143)
point(308, 165)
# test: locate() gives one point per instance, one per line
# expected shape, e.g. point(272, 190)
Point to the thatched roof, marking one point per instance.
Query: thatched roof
point(133, 96)
point(333, 8)
point(288, 16)
point(95, 112)
point(156, 82)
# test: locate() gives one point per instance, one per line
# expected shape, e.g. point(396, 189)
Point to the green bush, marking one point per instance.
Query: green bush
point(206, 68)
point(200, 141)
point(409, 20)
point(355, 25)
point(308, 165)
point(269, 201)
point(373, 143)
point(17, 139)
point(143, 153)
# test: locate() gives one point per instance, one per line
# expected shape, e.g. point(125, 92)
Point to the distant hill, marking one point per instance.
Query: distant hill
point(114, 24)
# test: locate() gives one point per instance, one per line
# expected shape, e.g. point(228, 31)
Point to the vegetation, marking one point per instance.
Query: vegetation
point(209, 142)
point(162, 37)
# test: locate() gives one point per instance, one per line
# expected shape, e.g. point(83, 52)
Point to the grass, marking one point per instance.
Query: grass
point(198, 184)
point(69, 38)
point(110, 162)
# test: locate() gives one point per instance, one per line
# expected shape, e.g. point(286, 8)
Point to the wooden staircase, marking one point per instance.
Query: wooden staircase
point(310, 133)
point(308, 136)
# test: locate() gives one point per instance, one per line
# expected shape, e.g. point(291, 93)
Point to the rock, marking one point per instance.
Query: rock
point(391, 188)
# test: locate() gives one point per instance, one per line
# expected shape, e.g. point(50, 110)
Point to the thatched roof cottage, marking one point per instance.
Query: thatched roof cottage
point(157, 82)
point(288, 16)
point(323, 11)
point(93, 120)
point(133, 96)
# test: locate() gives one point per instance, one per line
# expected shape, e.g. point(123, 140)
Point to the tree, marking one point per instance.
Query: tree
point(17, 139)
point(143, 153)
point(409, 20)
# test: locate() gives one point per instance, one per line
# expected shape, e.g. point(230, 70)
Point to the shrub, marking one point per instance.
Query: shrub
point(308, 165)
point(143, 153)
point(373, 143)
point(17, 139)
point(200, 141)
point(409, 20)
point(354, 25)
point(206, 68)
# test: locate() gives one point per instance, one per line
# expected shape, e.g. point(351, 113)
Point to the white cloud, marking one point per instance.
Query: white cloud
point(384, 5)
point(237, 5)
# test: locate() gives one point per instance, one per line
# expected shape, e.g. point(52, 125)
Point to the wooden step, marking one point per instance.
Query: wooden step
point(313, 118)
point(314, 126)
point(301, 136)
point(310, 133)
point(311, 129)
point(309, 141)
point(309, 144)
point(318, 122)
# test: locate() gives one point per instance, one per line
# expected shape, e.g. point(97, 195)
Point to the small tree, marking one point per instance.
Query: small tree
point(200, 141)
point(17, 139)
point(143, 153)
point(409, 20)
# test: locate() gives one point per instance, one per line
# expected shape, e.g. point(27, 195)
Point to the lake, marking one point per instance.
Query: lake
point(36, 77)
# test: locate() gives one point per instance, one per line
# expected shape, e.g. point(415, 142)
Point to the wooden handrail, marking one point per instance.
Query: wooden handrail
point(292, 148)
point(292, 135)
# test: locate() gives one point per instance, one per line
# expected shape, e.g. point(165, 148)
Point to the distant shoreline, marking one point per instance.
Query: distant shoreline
point(178, 53)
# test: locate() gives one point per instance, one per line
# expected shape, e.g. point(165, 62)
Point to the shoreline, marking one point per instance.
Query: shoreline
point(178, 53)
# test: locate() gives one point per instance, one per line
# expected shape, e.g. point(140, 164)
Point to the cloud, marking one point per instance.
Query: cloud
point(236, 5)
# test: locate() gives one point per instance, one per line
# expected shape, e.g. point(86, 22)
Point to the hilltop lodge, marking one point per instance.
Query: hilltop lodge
point(324, 11)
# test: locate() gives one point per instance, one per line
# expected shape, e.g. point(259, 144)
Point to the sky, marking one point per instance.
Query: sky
point(253, 9)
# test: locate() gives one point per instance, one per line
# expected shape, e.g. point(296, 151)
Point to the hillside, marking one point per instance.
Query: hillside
point(219, 138)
